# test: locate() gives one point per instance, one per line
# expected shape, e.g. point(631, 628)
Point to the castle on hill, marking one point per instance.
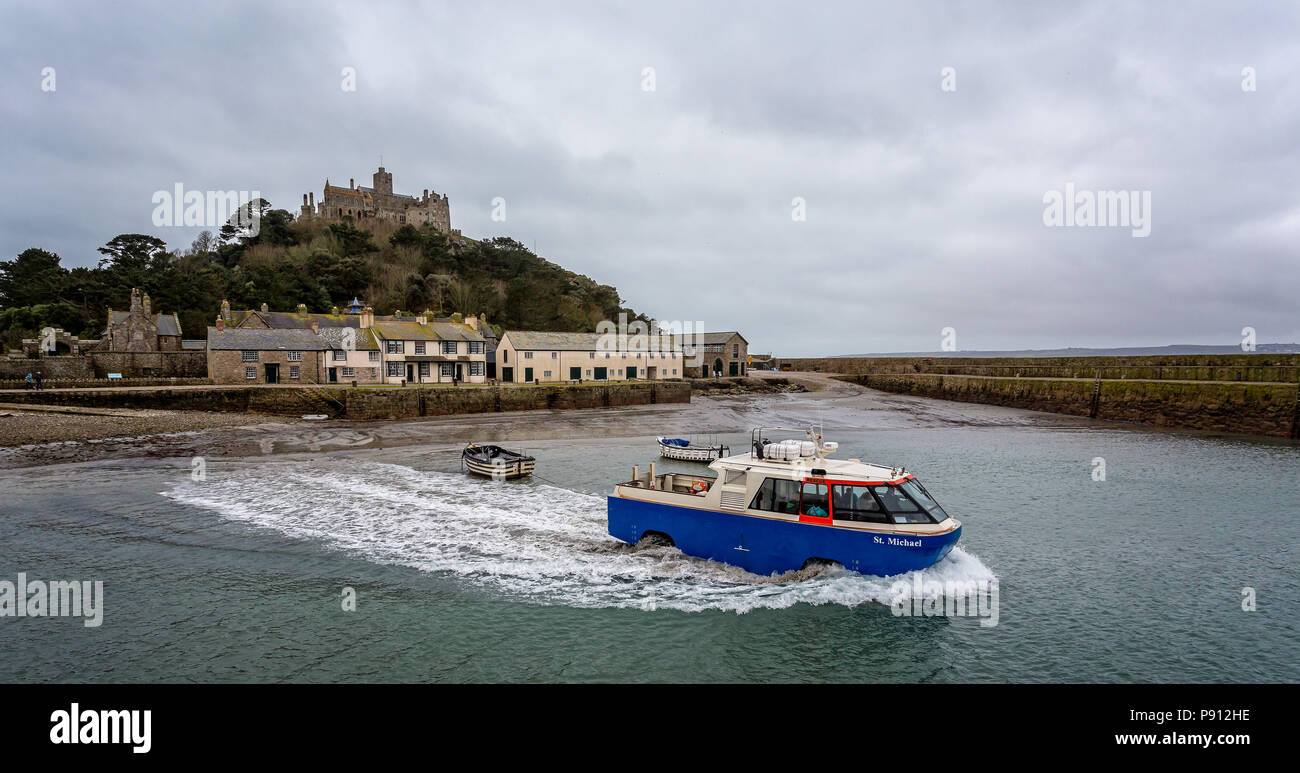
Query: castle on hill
point(379, 201)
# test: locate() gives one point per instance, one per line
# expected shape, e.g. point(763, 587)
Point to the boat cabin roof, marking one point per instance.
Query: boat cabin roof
point(836, 469)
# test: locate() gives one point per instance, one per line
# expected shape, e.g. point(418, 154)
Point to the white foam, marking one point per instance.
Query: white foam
point(528, 541)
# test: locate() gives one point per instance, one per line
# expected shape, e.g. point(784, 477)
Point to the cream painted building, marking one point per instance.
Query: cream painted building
point(524, 356)
point(431, 351)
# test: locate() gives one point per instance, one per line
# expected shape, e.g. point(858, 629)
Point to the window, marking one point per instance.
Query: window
point(475, 347)
point(674, 371)
point(476, 368)
point(250, 373)
point(855, 503)
point(528, 355)
point(735, 350)
point(447, 369)
point(294, 371)
point(554, 355)
point(448, 347)
point(814, 501)
point(914, 489)
point(419, 347)
point(424, 370)
point(249, 356)
point(395, 370)
point(546, 374)
point(900, 507)
point(395, 347)
point(347, 373)
point(374, 355)
point(339, 354)
point(591, 355)
point(294, 356)
point(777, 495)
point(588, 372)
point(505, 356)
point(620, 371)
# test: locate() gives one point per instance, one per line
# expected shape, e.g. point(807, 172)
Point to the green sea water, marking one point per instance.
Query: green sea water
point(241, 576)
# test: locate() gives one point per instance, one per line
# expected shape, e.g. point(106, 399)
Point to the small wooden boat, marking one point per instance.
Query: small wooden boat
point(495, 462)
point(685, 451)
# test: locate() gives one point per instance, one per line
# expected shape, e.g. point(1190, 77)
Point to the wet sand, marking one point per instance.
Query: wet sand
point(68, 435)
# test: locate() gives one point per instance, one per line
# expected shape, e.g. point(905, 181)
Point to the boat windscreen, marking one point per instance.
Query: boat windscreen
point(915, 490)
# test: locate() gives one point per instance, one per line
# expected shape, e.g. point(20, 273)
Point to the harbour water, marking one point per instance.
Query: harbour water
point(240, 575)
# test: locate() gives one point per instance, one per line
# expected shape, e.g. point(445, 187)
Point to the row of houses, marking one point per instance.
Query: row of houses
point(353, 346)
point(356, 346)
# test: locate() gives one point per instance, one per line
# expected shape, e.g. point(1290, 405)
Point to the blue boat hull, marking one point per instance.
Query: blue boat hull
point(767, 546)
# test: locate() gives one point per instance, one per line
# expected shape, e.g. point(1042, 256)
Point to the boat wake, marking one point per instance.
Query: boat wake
point(529, 541)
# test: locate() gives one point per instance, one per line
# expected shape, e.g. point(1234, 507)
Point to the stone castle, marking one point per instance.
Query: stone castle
point(379, 201)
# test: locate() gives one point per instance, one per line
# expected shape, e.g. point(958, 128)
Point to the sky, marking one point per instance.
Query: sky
point(825, 177)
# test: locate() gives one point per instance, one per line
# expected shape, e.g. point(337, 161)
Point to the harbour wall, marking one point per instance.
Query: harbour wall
point(1198, 367)
point(364, 402)
point(1271, 409)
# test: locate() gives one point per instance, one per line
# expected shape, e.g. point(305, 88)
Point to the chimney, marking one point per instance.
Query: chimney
point(423, 317)
point(311, 196)
point(148, 306)
point(264, 308)
point(221, 324)
point(304, 199)
point(367, 317)
point(472, 321)
point(426, 194)
point(135, 300)
point(352, 183)
point(315, 326)
point(225, 309)
point(302, 308)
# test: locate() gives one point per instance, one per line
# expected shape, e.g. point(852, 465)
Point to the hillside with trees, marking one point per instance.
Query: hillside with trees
point(317, 263)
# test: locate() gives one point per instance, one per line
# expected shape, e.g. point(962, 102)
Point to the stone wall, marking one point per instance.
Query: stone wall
point(98, 364)
point(368, 403)
point(1255, 409)
point(101, 383)
point(1199, 367)
point(226, 366)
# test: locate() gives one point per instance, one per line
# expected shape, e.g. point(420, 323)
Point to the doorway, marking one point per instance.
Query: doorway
point(272, 373)
point(507, 374)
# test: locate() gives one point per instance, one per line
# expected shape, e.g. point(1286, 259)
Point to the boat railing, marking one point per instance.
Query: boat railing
point(671, 482)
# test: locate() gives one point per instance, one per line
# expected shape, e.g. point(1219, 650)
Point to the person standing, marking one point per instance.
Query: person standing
point(38, 380)
point(29, 379)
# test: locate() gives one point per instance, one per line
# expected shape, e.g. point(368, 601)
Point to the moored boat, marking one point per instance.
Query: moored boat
point(684, 450)
point(496, 462)
point(785, 505)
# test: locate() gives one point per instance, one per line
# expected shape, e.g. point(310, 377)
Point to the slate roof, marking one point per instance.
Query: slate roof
point(434, 331)
point(265, 340)
point(337, 338)
point(536, 340)
point(168, 324)
point(289, 319)
point(700, 339)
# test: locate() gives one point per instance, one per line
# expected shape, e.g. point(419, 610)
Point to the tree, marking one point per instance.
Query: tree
point(34, 277)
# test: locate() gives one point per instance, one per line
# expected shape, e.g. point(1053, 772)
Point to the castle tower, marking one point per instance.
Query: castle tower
point(383, 181)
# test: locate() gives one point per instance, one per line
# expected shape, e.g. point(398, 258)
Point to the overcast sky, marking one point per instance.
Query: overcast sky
point(924, 204)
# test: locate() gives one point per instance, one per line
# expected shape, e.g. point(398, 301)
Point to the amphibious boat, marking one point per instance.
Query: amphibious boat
point(784, 506)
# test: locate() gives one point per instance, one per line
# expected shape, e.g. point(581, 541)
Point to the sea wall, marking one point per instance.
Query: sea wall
point(366, 403)
point(154, 365)
point(1246, 408)
point(1200, 367)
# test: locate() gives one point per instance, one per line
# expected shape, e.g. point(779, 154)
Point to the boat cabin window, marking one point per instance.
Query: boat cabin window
point(777, 495)
point(732, 477)
point(855, 503)
point(815, 501)
point(900, 507)
point(915, 490)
